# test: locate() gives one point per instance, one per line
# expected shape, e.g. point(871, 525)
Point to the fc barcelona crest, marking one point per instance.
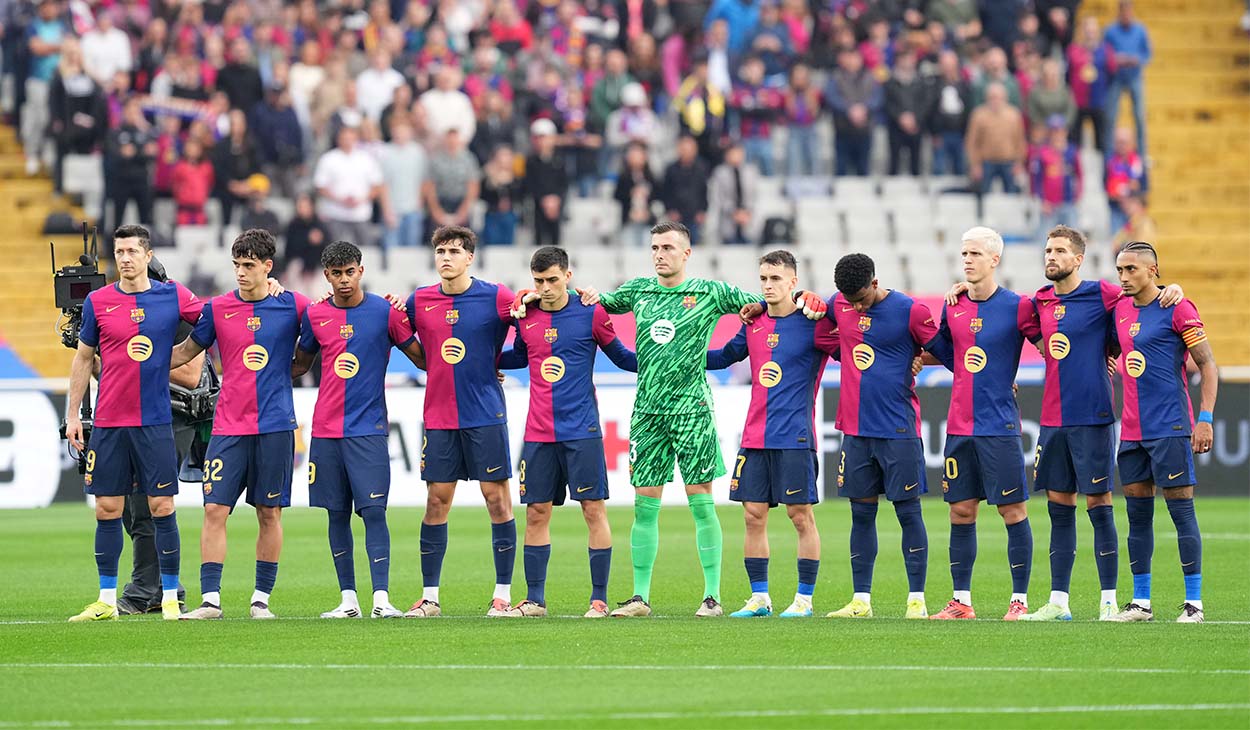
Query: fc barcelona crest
point(253, 323)
point(452, 317)
point(865, 323)
point(975, 324)
point(346, 331)
point(1059, 311)
point(1134, 328)
point(137, 315)
point(688, 301)
point(550, 334)
point(773, 340)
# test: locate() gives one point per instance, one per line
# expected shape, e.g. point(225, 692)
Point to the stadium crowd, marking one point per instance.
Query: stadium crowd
point(377, 121)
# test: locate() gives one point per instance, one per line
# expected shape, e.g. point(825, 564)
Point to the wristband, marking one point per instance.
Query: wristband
point(1205, 417)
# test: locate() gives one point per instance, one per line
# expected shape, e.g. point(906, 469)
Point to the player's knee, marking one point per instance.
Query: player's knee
point(269, 517)
point(594, 511)
point(1098, 500)
point(1141, 489)
point(215, 515)
point(756, 516)
point(538, 514)
point(498, 504)
point(1013, 513)
point(161, 506)
point(109, 509)
point(964, 512)
point(1176, 493)
point(437, 502)
point(802, 517)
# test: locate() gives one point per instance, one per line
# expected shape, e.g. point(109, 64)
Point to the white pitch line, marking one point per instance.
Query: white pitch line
point(593, 667)
point(633, 716)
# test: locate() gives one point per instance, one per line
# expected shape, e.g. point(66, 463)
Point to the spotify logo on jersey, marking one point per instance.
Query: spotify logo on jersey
point(863, 356)
point(770, 374)
point(1135, 363)
point(453, 350)
point(552, 369)
point(974, 359)
point(663, 332)
point(346, 366)
point(1059, 346)
point(255, 357)
point(139, 348)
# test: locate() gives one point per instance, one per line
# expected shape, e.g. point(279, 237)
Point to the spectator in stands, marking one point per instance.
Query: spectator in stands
point(1056, 18)
point(489, 73)
point(305, 76)
point(131, 150)
point(756, 106)
point(404, 164)
point(192, 184)
point(798, 19)
point(502, 191)
point(1125, 176)
point(495, 126)
point(106, 49)
point(447, 107)
point(1089, 73)
point(719, 66)
point(733, 193)
point(1028, 38)
point(153, 47)
point(546, 181)
point(644, 66)
point(348, 181)
point(960, 17)
point(347, 115)
point(1130, 44)
point(1050, 98)
point(906, 104)
point(700, 110)
point(636, 190)
point(169, 151)
point(855, 97)
point(327, 98)
point(801, 108)
point(606, 97)
point(305, 237)
point(684, 190)
point(77, 109)
point(770, 41)
point(994, 71)
point(43, 38)
point(235, 159)
point(1138, 225)
point(280, 141)
point(579, 146)
point(398, 110)
point(741, 16)
point(257, 213)
point(510, 30)
point(1055, 176)
point(240, 78)
point(995, 143)
point(375, 86)
point(950, 106)
point(632, 122)
point(453, 185)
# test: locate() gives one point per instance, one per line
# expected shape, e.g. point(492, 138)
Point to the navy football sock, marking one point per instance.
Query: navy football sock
point(108, 550)
point(963, 551)
point(341, 549)
point(808, 570)
point(168, 550)
point(1141, 542)
point(377, 546)
point(433, 548)
point(863, 545)
point(1020, 555)
point(266, 576)
point(757, 573)
point(1062, 545)
point(915, 543)
point(210, 578)
point(536, 557)
point(503, 540)
point(1106, 546)
point(600, 567)
point(1189, 542)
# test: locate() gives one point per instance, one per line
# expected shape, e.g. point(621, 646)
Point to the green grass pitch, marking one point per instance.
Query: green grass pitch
point(671, 671)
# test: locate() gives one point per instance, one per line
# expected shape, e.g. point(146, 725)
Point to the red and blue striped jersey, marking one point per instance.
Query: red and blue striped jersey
point(559, 348)
point(462, 335)
point(1075, 329)
point(788, 356)
point(135, 336)
point(355, 345)
point(256, 341)
point(980, 341)
point(877, 396)
point(1154, 343)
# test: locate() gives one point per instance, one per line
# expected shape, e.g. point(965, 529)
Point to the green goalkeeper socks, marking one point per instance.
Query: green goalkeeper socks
point(644, 541)
point(707, 535)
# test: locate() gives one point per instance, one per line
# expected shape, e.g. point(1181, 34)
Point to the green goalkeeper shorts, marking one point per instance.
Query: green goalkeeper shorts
point(658, 441)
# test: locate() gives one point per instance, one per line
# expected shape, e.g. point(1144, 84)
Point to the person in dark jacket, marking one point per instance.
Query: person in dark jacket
point(131, 149)
point(636, 190)
point(77, 109)
point(547, 181)
point(280, 139)
point(906, 101)
point(235, 159)
point(854, 95)
point(949, 107)
point(240, 78)
point(684, 190)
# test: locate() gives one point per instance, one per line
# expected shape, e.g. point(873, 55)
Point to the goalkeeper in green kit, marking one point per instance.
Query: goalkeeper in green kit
point(673, 422)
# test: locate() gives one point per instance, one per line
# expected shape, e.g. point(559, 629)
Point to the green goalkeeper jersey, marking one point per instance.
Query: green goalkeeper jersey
point(675, 325)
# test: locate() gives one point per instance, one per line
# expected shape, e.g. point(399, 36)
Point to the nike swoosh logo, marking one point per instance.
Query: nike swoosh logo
point(430, 307)
point(1131, 563)
point(854, 555)
point(531, 325)
point(1123, 320)
point(503, 549)
point(376, 496)
point(790, 492)
point(848, 309)
point(109, 309)
point(168, 552)
point(275, 495)
point(339, 554)
point(427, 552)
point(162, 486)
point(1186, 565)
point(98, 554)
point(378, 560)
point(581, 490)
point(1173, 476)
point(959, 314)
point(914, 550)
point(1099, 481)
point(1014, 566)
point(1047, 303)
point(1101, 554)
point(756, 329)
point(910, 487)
point(323, 324)
point(493, 469)
point(1010, 491)
point(954, 564)
point(228, 315)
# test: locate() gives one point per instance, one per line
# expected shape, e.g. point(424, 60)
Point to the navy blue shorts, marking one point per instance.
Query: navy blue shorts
point(259, 465)
point(1075, 459)
point(549, 471)
point(349, 471)
point(869, 467)
point(775, 476)
point(123, 458)
point(984, 467)
point(1167, 462)
point(453, 455)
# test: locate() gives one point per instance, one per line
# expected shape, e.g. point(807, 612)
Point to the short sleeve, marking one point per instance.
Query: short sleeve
point(1111, 294)
point(503, 303)
point(1027, 321)
point(1187, 323)
point(943, 346)
point(921, 325)
point(307, 338)
point(825, 337)
point(411, 306)
point(301, 304)
point(205, 332)
point(399, 328)
point(601, 326)
point(89, 333)
point(189, 305)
